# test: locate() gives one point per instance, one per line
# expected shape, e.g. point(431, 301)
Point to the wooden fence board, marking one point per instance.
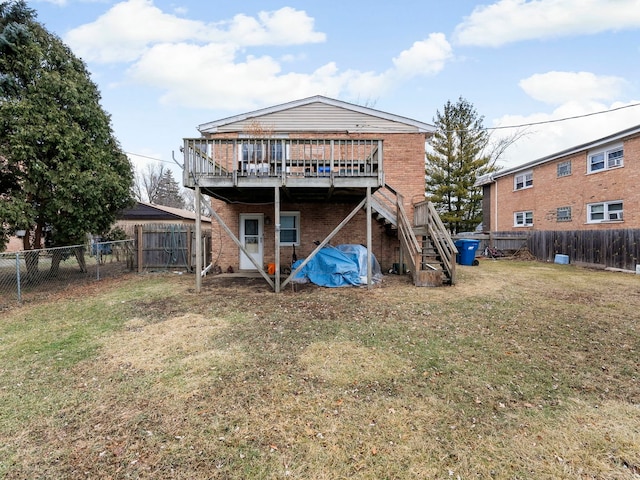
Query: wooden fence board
point(169, 246)
point(608, 248)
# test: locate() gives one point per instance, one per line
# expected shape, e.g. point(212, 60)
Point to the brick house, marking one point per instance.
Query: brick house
point(289, 179)
point(593, 186)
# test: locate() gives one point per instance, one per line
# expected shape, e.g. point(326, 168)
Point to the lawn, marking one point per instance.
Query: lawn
point(522, 370)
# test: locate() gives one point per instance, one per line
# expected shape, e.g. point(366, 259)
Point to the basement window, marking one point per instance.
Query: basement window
point(289, 229)
point(563, 214)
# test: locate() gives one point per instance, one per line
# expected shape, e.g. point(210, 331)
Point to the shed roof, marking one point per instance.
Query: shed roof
point(150, 211)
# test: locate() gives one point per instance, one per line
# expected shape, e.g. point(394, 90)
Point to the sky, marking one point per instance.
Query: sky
point(558, 72)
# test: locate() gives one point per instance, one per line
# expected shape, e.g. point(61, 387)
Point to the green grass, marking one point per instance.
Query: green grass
point(521, 370)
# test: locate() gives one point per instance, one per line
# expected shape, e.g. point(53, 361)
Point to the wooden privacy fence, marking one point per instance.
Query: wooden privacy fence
point(169, 246)
point(609, 248)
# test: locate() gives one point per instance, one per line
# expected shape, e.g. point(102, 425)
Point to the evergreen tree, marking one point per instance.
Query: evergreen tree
point(62, 170)
point(454, 164)
point(168, 192)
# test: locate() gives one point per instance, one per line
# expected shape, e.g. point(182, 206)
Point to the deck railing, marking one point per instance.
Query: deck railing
point(280, 157)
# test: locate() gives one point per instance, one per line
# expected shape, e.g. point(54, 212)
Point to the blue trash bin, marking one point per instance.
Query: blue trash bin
point(466, 250)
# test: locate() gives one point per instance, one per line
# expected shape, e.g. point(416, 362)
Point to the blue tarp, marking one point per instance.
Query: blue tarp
point(339, 266)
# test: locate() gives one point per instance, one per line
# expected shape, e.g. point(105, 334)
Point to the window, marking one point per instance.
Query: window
point(524, 180)
point(563, 214)
point(604, 212)
point(564, 168)
point(523, 219)
point(605, 159)
point(290, 228)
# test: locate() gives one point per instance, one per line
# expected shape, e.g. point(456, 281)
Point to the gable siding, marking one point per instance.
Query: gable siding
point(319, 117)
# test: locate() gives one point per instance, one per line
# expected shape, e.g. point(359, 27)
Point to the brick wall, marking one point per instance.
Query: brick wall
point(576, 191)
point(403, 156)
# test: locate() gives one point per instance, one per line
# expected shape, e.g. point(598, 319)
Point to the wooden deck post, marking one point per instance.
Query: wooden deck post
point(198, 241)
point(369, 229)
point(277, 236)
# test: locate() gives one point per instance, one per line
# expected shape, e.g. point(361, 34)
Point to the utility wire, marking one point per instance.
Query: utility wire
point(564, 118)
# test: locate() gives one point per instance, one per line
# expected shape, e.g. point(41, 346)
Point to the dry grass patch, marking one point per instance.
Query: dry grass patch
point(521, 370)
point(347, 363)
point(178, 342)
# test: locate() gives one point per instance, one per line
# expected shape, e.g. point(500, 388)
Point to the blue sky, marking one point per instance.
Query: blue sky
point(164, 67)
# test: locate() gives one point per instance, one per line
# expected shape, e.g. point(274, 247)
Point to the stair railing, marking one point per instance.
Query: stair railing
point(427, 215)
point(408, 241)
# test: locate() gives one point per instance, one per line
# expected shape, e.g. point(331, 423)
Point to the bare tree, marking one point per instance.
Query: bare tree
point(147, 182)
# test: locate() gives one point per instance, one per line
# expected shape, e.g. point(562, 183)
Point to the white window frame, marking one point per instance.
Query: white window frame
point(610, 212)
point(523, 219)
point(566, 218)
point(296, 228)
point(523, 180)
point(564, 169)
point(610, 157)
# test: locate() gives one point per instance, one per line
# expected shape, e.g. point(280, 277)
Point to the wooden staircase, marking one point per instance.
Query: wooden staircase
point(430, 260)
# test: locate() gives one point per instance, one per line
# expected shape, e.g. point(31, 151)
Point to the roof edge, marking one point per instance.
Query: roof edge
point(211, 127)
point(563, 153)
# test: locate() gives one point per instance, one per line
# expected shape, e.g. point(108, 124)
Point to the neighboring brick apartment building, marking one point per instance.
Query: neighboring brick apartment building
point(313, 160)
point(590, 186)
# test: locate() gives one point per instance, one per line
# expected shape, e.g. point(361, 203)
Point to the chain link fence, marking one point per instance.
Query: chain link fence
point(28, 274)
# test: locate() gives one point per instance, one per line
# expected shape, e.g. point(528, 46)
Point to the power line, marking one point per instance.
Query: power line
point(150, 158)
point(563, 119)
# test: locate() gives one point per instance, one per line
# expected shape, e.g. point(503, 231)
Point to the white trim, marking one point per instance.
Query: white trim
point(297, 228)
point(606, 152)
point(613, 216)
point(525, 180)
point(524, 219)
point(616, 137)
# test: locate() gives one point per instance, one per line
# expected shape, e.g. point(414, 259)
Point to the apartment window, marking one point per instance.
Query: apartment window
point(563, 214)
point(290, 228)
point(604, 212)
point(564, 168)
point(523, 180)
point(523, 219)
point(605, 159)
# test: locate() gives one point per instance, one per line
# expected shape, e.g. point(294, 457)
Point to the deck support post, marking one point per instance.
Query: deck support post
point(369, 230)
point(198, 241)
point(277, 237)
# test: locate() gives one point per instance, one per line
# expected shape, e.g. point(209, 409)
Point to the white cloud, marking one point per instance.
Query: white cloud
point(129, 28)
point(426, 57)
point(509, 21)
point(559, 130)
point(561, 87)
point(195, 64)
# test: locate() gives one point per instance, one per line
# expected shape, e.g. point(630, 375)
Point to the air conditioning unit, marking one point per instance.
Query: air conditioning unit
point(615, 216)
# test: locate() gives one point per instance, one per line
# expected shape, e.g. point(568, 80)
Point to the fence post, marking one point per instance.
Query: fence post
point(18, 276)
point(98, 259)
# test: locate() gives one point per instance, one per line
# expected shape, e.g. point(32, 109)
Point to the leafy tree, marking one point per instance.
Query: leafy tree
point(169, 191)
point(63, 172)
point(457, 159)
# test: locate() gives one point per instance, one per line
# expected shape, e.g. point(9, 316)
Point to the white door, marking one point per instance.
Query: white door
point(251, 238)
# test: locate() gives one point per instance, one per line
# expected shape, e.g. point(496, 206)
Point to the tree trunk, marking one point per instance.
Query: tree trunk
point(79, 251)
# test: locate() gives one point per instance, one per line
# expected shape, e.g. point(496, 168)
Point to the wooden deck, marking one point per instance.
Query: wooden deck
point(305, 169)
